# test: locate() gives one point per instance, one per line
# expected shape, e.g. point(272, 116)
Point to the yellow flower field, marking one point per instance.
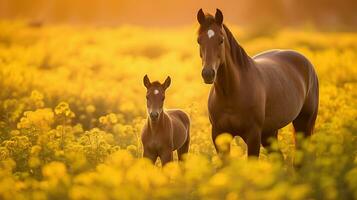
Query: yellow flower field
point(72, 104)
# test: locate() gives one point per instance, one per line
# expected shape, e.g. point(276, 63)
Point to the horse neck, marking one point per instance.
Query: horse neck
point(235, 66)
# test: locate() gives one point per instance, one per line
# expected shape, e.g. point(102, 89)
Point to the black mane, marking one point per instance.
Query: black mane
point(239, 56)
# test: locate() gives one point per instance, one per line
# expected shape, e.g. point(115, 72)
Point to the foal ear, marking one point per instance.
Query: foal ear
point(146, 81)
point(201, 18)
point(167, 83)
point(218, 17)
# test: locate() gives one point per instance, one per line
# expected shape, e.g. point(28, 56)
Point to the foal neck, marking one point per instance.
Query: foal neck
point(154, 126)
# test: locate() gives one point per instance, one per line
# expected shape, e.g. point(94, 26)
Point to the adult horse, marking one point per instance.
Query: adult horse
point(253, 97)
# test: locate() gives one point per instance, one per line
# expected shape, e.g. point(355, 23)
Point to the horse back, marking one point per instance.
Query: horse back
point(290, 62)
point(287, 67)
point(288, 78)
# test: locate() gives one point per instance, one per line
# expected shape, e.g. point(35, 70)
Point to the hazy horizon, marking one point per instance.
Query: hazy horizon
point(161, 13)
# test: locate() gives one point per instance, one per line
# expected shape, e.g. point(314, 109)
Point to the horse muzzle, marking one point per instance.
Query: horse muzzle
point(208, 75)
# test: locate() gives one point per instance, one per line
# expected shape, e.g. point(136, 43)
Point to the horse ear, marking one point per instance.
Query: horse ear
point(218, 17)
point(201, 18)
point(167, 82)
point(146, 81)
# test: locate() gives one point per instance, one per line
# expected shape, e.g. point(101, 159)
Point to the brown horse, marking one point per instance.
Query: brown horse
point(253, 97)
point(164, 131)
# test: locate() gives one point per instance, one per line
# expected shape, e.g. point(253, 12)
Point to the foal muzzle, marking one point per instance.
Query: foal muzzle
point(154, 115)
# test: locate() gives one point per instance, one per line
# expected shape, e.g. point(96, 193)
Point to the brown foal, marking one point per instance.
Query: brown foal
point(253, 97)
point(164, 131)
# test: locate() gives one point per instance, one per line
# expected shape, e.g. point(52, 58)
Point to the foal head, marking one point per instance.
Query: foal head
point(155, 96)
point(211, 41)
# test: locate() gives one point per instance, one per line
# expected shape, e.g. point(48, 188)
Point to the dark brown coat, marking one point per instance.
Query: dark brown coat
point(254, 97)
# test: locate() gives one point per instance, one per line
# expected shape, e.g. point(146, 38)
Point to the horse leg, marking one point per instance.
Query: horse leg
point(305, 121)
point(266, 139)
point(214, 135)
point(221, 151)
point(166, 156)
point(184, 148)
point(253, 140)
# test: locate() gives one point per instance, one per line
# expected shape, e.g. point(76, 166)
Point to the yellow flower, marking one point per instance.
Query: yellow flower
point(219, 180)
point(34, 162)
point(63, 109)
point(41, 119)
point(90, 109)
point(223, 141)
point(54, 170)
point(35, 150)
point(172, 170)
point(37, 98)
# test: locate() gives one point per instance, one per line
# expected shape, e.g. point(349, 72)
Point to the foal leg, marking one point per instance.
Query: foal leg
point(166, 156)
point(184, 149)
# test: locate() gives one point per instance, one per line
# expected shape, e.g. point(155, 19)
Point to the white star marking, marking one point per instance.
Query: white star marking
point(210, 33)
point(156, 91)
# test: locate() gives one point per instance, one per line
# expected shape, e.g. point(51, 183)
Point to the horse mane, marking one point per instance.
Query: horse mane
point(239, 56)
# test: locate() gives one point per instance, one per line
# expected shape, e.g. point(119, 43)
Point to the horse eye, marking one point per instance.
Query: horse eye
point(198, 40)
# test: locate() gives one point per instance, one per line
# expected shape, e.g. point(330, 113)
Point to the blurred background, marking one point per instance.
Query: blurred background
point(323, 14)
point(72, 96)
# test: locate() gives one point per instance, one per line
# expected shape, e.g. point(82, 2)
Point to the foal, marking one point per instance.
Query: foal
point(164, 131)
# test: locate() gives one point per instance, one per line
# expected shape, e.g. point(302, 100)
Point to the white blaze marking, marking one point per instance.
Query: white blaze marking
point(156, 91)
point(210, 33)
